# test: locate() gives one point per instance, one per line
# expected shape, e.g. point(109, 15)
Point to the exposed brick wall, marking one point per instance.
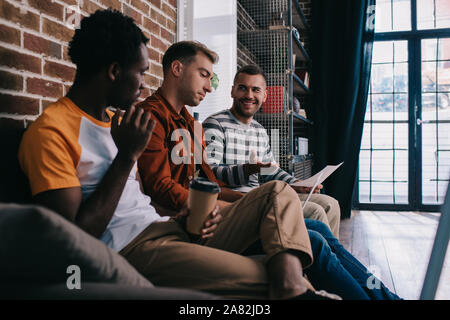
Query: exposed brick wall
point(35, 69)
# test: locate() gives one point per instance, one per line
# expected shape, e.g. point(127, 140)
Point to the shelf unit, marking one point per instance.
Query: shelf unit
point(268, 36)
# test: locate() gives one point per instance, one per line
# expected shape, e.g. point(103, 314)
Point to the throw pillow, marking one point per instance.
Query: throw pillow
point(39, 246)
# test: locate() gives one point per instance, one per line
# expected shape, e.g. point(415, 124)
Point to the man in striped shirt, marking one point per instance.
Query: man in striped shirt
point(239, 152)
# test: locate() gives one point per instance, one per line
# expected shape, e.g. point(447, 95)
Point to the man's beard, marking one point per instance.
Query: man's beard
point(237, 107)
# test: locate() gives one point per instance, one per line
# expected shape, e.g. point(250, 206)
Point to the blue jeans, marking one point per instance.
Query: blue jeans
point(337, 271)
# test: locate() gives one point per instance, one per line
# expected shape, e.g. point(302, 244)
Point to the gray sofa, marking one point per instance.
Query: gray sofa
point(38, 248)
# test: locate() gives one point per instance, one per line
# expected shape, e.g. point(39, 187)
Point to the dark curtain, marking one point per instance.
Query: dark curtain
point(342, 41)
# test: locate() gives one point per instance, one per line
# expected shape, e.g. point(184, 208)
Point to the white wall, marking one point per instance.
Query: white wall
point(212, 22)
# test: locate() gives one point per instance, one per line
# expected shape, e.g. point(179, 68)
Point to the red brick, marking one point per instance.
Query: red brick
point(58, 70)
point(156, 3)
point(171, 13)
point(156, 69)
point(153, 54)
point(151, 81)
point(19, 105)
point(173, 3)
point(66, 54)
point(167, 35)
point(71, 2)
point(157, 43)
point(47, 7)
point(20, 61)
point(44, 88)
point(141, 6)
point(89, 7)
point(152, 26)
point(11, 81)
point(23, 18)
point(57, 30)
point(137, 17)
point(115, 4)
point(156, 16)
point(172, 26)
point(9, 35)
point(12, 123)
point(41, 45)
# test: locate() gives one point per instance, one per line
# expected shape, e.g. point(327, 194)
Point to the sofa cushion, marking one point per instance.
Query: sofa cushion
point(38, 245)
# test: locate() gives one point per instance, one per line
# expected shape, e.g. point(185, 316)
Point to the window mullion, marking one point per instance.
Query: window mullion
point(413, 15)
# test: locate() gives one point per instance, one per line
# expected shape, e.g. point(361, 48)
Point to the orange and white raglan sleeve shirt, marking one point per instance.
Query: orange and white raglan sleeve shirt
point(48, 155)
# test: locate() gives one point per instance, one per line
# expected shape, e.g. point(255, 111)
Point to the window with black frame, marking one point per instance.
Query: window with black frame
point(404, 160)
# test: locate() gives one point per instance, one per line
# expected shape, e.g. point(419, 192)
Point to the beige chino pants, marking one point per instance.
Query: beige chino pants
point(165, 255)
point(323, 208)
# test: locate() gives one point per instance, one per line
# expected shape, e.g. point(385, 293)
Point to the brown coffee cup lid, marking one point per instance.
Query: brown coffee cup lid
point(202, 184)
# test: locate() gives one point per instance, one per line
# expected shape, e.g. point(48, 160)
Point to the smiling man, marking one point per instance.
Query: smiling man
point(235, 141)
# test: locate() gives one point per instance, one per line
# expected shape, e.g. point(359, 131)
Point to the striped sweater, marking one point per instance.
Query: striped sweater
point(231, 143)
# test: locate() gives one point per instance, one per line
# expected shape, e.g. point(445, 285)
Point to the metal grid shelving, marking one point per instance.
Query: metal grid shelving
point(268, 36)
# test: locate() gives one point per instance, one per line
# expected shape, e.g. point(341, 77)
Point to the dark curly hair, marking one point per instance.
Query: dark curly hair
point(105, 37)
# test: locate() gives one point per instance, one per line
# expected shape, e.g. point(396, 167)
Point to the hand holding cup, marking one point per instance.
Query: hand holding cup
point(202, 202)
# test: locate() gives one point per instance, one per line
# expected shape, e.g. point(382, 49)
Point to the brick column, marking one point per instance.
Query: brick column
point(35, 69)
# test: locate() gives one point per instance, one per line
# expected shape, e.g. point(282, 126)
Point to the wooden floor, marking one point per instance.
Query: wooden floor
point(396, 247)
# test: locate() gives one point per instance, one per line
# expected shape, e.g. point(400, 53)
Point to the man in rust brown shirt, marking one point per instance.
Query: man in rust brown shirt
point(166, 180)
point(167, 254)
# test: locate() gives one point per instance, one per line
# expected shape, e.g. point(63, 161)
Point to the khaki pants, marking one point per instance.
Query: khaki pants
point(323, 208)
point(164, 254)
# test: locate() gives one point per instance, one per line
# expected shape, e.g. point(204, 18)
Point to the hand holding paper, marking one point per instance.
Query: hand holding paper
point(312, 190)
point(318, 177)
point(315, 180)
point(307, 189)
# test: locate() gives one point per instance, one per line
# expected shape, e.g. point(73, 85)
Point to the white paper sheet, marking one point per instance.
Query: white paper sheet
point(315, 180)
point(312, 190)
point(318, 177)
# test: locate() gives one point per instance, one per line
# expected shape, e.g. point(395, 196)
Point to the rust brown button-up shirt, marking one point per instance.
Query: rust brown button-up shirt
point(174, 154)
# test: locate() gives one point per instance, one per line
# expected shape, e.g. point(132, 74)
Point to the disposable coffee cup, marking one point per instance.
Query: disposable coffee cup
point(201, 202)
